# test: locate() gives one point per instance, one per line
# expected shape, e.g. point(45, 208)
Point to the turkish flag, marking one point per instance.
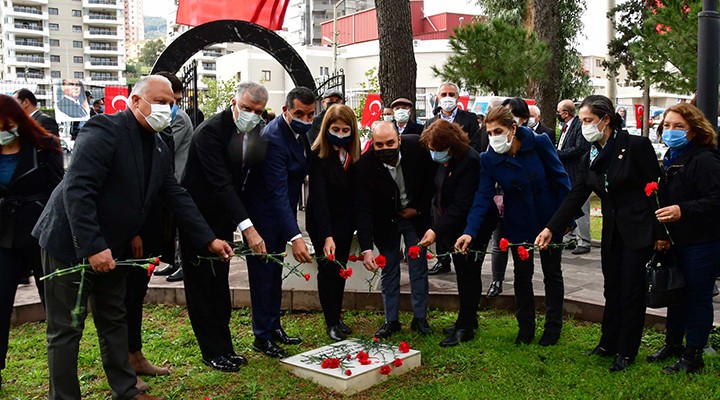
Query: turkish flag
point(267, 13)
point(463, 102)
point(372, 111)
point(639, 113)
point(115, 99)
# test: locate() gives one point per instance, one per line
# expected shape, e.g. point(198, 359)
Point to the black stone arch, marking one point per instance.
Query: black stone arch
point(234, 31)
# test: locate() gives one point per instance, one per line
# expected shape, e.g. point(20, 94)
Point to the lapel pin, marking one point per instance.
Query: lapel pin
point(159, 150)
point(623, 150)
point(620, 157)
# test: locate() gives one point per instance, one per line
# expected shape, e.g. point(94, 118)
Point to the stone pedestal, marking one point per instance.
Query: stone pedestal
point(308, 365)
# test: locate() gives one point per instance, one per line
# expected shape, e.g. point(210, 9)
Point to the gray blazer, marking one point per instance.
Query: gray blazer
point(102, 202)
point(182, 131)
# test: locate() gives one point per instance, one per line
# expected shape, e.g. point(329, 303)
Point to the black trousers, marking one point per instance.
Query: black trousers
point(550, 260)
point(137, 286)
point(13, 264)
point(468, 270)
point(207, 293)
point(624, 290)
point(331, 286)
point(106, 294)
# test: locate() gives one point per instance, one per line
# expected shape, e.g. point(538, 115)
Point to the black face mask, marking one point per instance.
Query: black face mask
point(560, 118)
point(388, 156)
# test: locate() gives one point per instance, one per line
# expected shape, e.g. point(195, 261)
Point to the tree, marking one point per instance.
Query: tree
point(547, 26)
point(134, 71)
point(397, 74)
point(151, 51)
point(494, 57)
point(217, 96)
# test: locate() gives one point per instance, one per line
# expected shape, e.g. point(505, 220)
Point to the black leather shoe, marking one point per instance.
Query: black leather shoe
point(236, 359)
point(421, 326)
point(176, 276)
point(621, 363)
point(269, 348)
point(524, 337)
point(495, 289)
point(222, 363)
point(167, 271)
point(690, 361)
point(459, 335)
point(279, 335)
point(387, 329)
point(344, 328)
point(448, 330)
point(439, 268)
point(600, 351)
point(335, 333)
point(581, 250)
point(549, 339)
point(570, 245)
point(667, 351)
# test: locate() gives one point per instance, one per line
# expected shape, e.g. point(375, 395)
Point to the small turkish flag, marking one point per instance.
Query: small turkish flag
point(115, 99)
point(372, 111)
point(463, 102)
point(639, 112)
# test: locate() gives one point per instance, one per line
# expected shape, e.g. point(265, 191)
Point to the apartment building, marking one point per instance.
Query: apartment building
point(134, 21)
point(304, 17)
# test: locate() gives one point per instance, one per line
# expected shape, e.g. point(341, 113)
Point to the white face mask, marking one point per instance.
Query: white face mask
point(591, 132)
point(387, 118)
point(532, 122)
point(7, 137)
point(500, 143)
point(402, 115)
point(448, 103)
point(160, 116)
point(246, 121)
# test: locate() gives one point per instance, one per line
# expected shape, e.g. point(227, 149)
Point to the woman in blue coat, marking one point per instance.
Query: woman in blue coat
point(534, 184)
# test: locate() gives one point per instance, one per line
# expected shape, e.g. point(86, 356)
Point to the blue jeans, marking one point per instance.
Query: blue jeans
point(693, 318)
point(390, 277)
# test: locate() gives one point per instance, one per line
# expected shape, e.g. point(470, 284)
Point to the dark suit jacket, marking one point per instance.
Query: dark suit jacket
point(272, 189)
point(215, 171)
point(37, 174)
point(330, 205)
point(468, 121)
point(573, 148)
point(625, 206)
point(540, 128)
point(104, 200)
point(315, 127)
point(47, 122)
point(412, 128)
point(378, 199)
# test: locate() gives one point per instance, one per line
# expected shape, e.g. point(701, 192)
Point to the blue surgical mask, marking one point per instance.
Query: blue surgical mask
point(336, 138)
point(174, 111)
point(675, 138)
point(102, 109)
point(300, 127)
point(440, 157)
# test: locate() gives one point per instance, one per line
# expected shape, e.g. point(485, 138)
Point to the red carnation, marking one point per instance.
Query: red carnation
point(429, 255)
point(404, 347)
point(376, 339)
point(352, 258)
point(385, 370)
point(307, 277)
point(349, 357)
point(523, 253)
point(325, 364)
point(365, 361)
point(156, 261)
point(397, 362)
point(414, 252)
point(651, 188)
point(362, 355)
point(381, 261)
point(504, 244)
point(331, 257)
point(349, 272)
point(348, 372)
point(206, 398)
point(150, 268)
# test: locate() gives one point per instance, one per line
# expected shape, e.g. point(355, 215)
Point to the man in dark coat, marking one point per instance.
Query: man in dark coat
point(28, 102)
point(330, 98)
point(402, 111)
point(537, 126)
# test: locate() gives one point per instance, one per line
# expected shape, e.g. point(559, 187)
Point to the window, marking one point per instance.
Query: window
point(54, 58)
point(55, 74)
point(54, 43)
point(52, 11)
point(78, 44)
point(77, 28)
point(324, 71)
point(77, 59)
point(266, 76)
point(54, 27)
point(598, 63)
point(76, 13)
point(79, 75)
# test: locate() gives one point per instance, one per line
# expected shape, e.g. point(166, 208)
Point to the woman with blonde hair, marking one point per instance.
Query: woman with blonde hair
point(330, 218)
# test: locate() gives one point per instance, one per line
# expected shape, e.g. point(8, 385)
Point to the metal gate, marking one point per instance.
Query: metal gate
point(190, 93)
point(334, 82)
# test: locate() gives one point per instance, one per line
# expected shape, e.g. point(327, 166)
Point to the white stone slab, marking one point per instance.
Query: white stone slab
point(363, 376)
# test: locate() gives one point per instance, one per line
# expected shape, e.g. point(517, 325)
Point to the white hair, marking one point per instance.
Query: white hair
point(535, 108)
point(258, 93)
point(457, 89)
point(141, 87)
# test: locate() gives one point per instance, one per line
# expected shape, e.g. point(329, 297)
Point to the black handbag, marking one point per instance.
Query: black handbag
point(665, 283)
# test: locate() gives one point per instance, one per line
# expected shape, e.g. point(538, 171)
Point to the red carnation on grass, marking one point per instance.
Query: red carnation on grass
point(651, 188)
point(404, 347)
point(523, 253)
point(397, 362)
point(429, 255)
point(414, 252)
point(385, 370)
point(381, 261)
point(504, 244)
point(331, 257)
point(352, 258)
point(376, 339)
point(307, 277)
point(150, 268)
point(206, 398)
point(348, 372)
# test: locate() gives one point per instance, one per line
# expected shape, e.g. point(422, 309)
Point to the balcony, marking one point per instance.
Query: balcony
point(104, 65)
point(28, 13)
point(22, 44)
point(31, 2)
point(210, 55)
point(28, 29)
point(102, 49)
point(208, 67)
point(101, 20)
point(102, 34)
point(29, 60)
point(103, 4)
point(30, 75)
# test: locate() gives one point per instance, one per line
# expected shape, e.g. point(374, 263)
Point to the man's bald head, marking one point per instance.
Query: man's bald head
point(385, 136)
point(566, 110)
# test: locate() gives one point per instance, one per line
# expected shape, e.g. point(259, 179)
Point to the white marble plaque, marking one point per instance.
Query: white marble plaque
point(308, 365)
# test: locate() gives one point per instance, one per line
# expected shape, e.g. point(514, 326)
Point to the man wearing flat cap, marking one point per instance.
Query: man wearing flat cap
point(330, 98)
point(402, 110)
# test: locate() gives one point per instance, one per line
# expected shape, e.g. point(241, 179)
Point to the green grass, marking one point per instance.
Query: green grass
point(595, 222)
point(488, 367)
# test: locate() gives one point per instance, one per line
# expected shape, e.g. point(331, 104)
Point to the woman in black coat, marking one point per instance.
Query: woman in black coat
point(31, 165)
point(456, 180)
point(617, 169)
point(690, 196)
point(330, 219)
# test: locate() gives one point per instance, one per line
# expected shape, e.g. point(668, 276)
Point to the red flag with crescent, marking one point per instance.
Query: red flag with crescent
point(463, 102)
point(267, 13)
point(115, 99)
point(639, 113)
point(372, 111)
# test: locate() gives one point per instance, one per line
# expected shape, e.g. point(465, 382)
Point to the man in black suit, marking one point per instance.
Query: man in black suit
point(393, 200)
point(98, 107)
point(218, 160)
point(571, 147)
point(402, 111)
point(330, 98)
point(120, 164)
point(28, 102)
point(537, 126)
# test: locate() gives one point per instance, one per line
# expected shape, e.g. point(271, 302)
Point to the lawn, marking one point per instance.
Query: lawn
point(595, 222)
point(488, 367)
